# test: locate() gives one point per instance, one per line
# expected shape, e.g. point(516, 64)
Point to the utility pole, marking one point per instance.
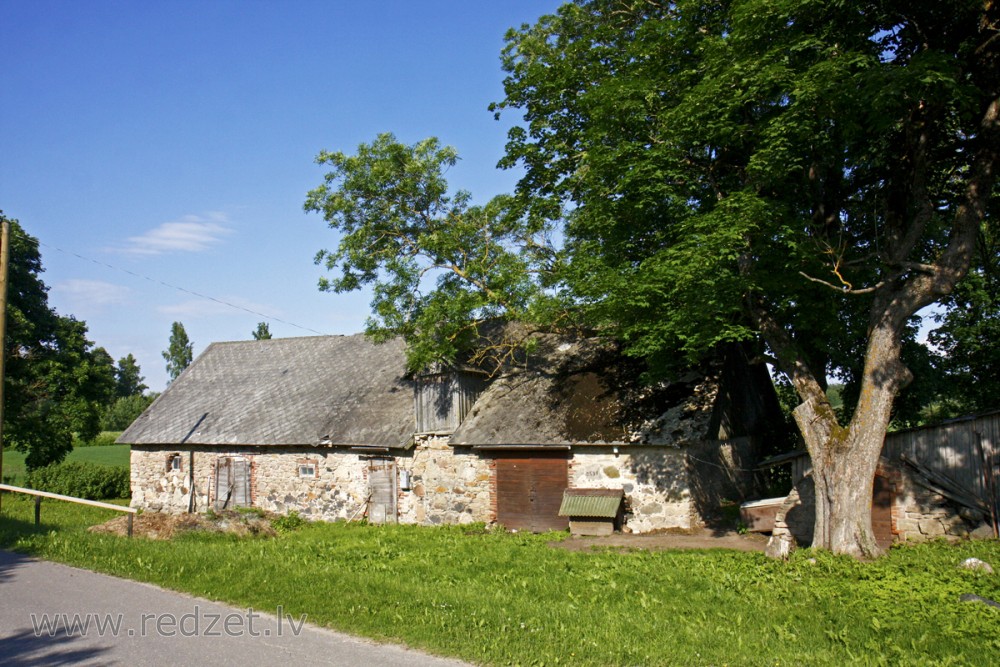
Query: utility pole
point(4, 269)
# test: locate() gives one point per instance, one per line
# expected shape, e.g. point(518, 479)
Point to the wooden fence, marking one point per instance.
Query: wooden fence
point(80, 501)
point(956, 449)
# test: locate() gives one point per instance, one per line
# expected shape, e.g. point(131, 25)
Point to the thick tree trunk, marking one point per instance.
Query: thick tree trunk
point(844, 463)
point(844, 459)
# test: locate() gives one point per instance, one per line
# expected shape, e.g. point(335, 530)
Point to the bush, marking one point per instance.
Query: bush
point(81, 480)
point(288, 523)
point(103, 439)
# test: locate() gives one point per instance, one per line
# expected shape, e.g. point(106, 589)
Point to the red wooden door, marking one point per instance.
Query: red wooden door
point(530, 490)
point(882, 512)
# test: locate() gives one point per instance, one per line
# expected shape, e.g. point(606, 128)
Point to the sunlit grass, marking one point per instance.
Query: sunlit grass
point(109, 455)
point(503, 599)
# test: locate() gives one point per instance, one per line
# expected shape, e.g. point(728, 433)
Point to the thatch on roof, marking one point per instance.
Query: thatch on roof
point(337, 390)
point(575, 390)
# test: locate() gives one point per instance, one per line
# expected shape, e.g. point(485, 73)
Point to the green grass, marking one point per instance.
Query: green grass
point(510, 599)
point(109, 455)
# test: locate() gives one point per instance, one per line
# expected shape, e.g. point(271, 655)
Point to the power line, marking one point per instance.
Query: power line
point(180, 289)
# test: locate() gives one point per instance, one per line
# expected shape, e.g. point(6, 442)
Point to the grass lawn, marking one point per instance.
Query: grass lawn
point(109, 455)
point(509, 598)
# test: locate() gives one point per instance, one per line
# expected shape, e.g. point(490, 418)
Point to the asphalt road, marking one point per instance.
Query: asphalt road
point(52, 614)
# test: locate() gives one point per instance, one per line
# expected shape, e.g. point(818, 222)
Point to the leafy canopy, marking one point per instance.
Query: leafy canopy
point(56, 381)
point(792, 159)
point(439, 266)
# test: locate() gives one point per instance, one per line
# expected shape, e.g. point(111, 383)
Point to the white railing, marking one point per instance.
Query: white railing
point(81, 501)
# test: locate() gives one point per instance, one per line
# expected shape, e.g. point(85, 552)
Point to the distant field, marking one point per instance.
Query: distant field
point(111, 455)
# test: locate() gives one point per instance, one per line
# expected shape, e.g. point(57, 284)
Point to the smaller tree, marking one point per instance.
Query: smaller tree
point(262, 332)
point(180, 353)
point(125, 410)
point(128, 378)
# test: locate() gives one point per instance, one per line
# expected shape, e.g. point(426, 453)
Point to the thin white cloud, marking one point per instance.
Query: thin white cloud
point(191, 233)
point(85, 295)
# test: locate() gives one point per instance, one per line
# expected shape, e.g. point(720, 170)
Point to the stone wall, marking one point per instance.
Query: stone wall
point(155, 487)
point(337, 490)
point(654, 480)
point(449, 485)
point(924, 515)
point(446, 486)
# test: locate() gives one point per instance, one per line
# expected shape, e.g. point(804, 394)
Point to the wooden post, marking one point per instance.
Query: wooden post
point(4, 269)
point(38, 510)
point(130, 517)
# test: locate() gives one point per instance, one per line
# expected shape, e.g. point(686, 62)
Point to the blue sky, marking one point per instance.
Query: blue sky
point(146, 143)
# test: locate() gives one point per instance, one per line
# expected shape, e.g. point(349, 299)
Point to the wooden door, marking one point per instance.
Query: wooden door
point(232, 482)
point(530, 490)
point(882, 511)
point(382, 487)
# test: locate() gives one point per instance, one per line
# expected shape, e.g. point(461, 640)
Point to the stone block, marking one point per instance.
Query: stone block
point(931, 527)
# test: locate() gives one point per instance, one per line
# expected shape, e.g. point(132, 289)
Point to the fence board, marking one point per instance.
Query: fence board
point(952, 448)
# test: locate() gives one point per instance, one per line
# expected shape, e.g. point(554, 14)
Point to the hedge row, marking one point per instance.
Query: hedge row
point(81, 480)
point(102, 439)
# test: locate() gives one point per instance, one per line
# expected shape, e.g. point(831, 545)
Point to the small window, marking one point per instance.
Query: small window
point(174, 463)
point(307, 470)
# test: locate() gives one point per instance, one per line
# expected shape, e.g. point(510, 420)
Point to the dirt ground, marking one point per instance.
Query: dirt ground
point(157, 526)
point(704, 538)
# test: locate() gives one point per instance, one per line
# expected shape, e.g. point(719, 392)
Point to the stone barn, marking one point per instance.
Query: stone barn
point(334, 428)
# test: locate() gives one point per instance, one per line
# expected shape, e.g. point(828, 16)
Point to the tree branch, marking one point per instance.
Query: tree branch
point(842, 289)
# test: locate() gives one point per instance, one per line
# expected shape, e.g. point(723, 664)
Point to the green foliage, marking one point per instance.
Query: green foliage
point(262, 332)
point(288, 523)
point(14, 469)
point(128, 378)
point(498, 598)
point(125, 410)
point(717, 156)
point(968, 334)
point(56, 381)
point(81, 480)
point(439, 265)
point(102, 439)
point(805, 174)
point(180, 351)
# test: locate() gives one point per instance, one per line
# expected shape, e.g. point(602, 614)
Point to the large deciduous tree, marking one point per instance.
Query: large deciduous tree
point(811, 174)
point(56, 381)
point(439, 266)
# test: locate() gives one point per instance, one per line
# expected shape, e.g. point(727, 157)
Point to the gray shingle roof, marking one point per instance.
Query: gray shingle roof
point(287, 391)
